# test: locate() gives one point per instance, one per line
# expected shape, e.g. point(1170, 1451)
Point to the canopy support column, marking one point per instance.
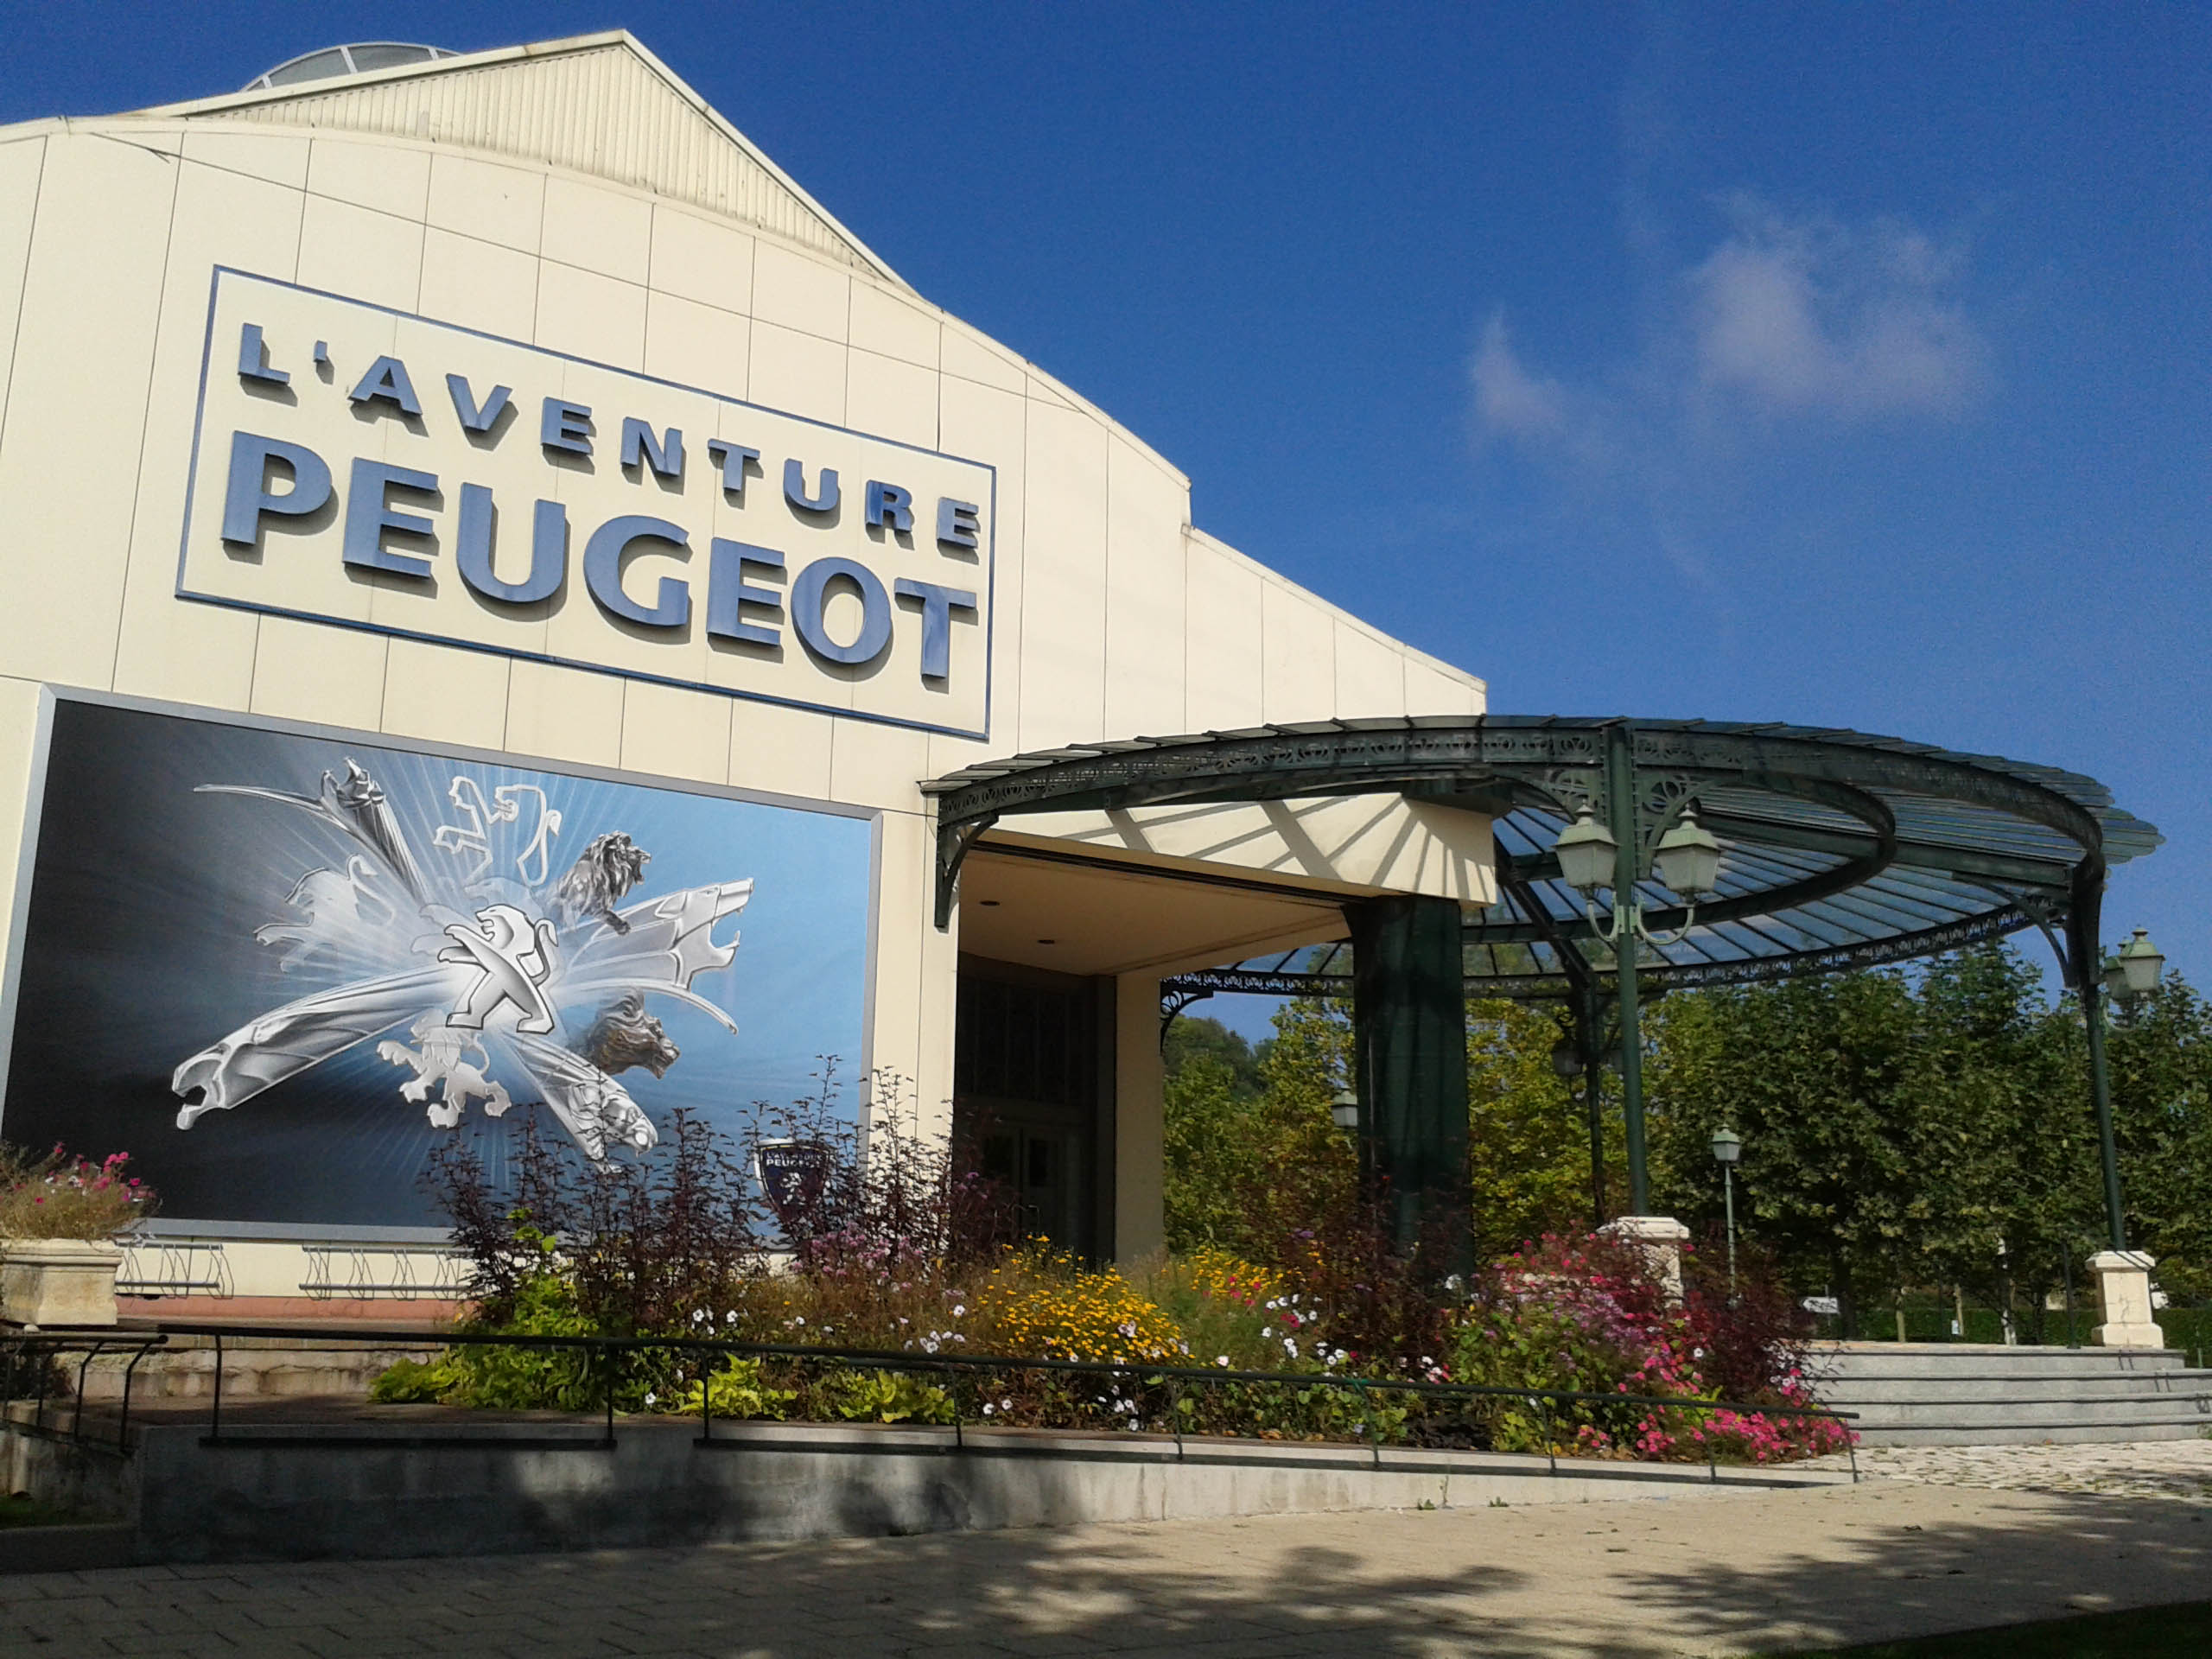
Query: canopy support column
point(1620, 809)
point(1409, 1061)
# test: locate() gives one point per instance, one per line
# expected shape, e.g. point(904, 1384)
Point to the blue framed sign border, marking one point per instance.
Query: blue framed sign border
point(192, 484)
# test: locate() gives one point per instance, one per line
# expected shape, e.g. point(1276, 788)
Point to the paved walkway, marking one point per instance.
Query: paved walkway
point(2177, 1469)
point(1715, 1573)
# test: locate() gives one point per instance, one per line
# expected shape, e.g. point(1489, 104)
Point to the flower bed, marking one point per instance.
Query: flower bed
point(62, 1196)
point(883, 1262)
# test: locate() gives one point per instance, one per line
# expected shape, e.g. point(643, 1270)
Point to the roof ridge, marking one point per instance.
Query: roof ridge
point(248, 102)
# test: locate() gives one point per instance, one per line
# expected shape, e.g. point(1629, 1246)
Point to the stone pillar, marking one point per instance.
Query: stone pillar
point(58, 1281)
point(1409, 1064)
point(2124, 1300)
point(1660, 1239)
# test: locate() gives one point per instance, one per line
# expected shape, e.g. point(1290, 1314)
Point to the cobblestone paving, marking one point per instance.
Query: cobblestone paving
point(2176, 1469)
point(1712, 1575)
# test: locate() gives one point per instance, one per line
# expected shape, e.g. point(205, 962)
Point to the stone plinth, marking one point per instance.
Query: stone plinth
point(58, 1281)
point(1660, 1238)
point(2124, 1300)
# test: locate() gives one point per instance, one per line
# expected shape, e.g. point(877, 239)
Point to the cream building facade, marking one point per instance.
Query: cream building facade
point(489, 407)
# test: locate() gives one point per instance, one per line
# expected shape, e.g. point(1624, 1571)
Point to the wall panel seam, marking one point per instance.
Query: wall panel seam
point(145, 419)
point(22, 291)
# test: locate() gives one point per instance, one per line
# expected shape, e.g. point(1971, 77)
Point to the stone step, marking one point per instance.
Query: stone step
point(1943, 1359)
point(1968, 1389)
point(1995, 1413)
point(2034, 1433)
point(1963, 1393)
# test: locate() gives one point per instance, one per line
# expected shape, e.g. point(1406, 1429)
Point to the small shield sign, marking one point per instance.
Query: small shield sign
point(792, 1174)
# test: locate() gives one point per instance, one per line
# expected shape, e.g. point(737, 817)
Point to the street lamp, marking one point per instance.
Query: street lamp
point(2133, 973)
point(1343, 1111)
point(1566, 1060)
point(1727, 1147)
point(1687, 861)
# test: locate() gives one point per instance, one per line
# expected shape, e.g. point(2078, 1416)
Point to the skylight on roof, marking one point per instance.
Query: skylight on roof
point(354, 60)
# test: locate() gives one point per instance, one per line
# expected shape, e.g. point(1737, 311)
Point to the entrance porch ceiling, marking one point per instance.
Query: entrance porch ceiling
point(1076, 917)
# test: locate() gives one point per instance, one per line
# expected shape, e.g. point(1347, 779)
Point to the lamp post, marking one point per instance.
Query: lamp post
point(1727, 1147)
point(1591, 855)
point(1574, 1055)
point(2130, 974)
point(2123, 1275)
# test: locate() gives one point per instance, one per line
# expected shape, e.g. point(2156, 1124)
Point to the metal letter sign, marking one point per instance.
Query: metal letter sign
point(574, 512)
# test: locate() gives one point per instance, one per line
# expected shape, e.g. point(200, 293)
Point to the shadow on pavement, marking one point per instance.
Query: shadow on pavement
point(1632, 1579)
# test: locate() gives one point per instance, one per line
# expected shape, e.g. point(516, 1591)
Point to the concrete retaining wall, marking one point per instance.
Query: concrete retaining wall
point(385, 1492)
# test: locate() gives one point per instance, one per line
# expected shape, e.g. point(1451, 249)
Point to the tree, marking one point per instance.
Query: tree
point(2004, 1146)
point(2161, 1060)
point(1902, 1128)
point(1811, 1072)
point(1253, 1152)
point(1528, 1136)
point(1193, 1037)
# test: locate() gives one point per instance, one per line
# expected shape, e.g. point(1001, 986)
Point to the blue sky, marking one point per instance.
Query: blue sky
point(1845, 364)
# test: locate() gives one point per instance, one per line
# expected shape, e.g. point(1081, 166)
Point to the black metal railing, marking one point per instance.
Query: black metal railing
point(41, 1351)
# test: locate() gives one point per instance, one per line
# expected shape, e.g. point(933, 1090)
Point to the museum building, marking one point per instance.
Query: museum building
point(490, 568)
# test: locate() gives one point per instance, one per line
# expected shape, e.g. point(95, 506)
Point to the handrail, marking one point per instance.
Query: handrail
point(607, 1347)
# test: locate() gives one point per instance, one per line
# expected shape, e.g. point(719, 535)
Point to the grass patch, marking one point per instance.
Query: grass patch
point(21, 1509)
point(2140, 1633)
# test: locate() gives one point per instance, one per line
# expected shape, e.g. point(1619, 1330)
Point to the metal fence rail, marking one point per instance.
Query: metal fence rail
point(607, 1352)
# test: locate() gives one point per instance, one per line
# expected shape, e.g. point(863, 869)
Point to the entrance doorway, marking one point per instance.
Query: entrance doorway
point(1031, 1058)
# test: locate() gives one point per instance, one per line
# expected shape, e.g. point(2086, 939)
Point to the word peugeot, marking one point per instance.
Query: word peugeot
point(357, 465)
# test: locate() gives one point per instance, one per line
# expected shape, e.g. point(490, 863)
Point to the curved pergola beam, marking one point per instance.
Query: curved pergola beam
point(1993, 845)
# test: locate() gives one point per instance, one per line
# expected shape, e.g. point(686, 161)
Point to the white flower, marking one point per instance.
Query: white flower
point(730, 1317)
point(698, 1316)
point(651, 1399)
point(959, 1308)
point(1223, 1361)
point(1267, 1329)
point(986, 1408)
point(801, 1320)
point(1290, 1347)
point(1006, 1405)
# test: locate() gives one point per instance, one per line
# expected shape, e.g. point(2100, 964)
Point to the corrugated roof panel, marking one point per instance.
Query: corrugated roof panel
point(600, 109)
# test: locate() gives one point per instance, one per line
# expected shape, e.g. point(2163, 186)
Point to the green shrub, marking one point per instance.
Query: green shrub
point(888, 1397)
point(738, 1390)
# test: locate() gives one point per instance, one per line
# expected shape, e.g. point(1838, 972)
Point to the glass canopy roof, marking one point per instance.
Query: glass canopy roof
point(1839, 849)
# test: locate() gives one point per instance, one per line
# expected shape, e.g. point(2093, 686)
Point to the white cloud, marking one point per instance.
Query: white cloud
point(1812, 316)
point(1784, 318)
point(1507, 398)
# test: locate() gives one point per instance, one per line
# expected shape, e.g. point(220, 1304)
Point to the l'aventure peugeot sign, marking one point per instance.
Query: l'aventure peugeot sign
point(358, 466)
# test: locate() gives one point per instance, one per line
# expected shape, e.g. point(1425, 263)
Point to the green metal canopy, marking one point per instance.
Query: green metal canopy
point(1840, 849)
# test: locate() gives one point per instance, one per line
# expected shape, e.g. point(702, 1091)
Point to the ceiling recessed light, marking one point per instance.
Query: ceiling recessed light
point(1048, 941)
